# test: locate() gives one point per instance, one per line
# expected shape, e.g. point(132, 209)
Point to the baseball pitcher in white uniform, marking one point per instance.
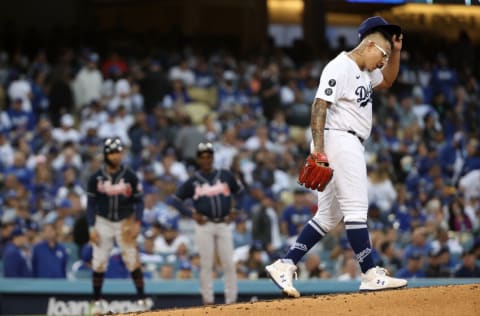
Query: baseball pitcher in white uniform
point(341, 120)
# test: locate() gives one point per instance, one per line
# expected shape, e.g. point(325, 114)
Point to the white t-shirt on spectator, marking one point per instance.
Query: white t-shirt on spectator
point(161, 246)
point(114, 129)
point(62, 135)
point(186, 75)
point(21, 89)
point(6, 154)
point(87, 86)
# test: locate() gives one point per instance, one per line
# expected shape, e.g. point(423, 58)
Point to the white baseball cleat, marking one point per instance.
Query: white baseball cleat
point(377, 279)
point(281, 273)
point(142, 305)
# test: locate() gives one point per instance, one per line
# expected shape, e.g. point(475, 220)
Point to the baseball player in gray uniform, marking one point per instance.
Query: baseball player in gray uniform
point(341, 119)
point(211, 191)
point(114, 211)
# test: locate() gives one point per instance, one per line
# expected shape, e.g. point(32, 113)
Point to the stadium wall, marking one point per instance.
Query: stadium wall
point(72, 297)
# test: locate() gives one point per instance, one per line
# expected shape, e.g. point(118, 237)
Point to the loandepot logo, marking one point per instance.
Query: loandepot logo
point(80, 308)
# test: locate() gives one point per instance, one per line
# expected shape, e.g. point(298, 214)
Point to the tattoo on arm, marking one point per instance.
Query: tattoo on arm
point(317, 123)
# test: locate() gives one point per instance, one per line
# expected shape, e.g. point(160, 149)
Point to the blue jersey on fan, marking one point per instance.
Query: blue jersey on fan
point(15, 263)
point(49, 262)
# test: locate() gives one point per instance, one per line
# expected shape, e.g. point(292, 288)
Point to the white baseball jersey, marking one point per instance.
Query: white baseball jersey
point(349, 89)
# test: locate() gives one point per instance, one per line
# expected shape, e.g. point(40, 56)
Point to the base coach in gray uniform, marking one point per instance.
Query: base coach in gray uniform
point(211, 191)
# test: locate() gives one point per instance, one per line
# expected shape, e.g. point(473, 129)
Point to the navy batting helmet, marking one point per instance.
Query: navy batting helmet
point(112, 145)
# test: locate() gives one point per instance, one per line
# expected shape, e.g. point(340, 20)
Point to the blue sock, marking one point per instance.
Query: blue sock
point(359, 239)
point(308, 237)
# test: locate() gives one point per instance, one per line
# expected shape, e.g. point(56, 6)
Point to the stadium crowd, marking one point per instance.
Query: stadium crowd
point(423, 158)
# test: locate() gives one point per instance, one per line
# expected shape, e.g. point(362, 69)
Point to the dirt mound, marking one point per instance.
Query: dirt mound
point(439, 300)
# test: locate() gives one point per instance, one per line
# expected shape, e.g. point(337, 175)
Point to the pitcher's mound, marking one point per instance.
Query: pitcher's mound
point(439, 300)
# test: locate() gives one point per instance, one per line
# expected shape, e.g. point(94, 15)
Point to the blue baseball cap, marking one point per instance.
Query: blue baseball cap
point(170, 224)
point(18, 231)
point(377, 22)
point(64, 203)
point(185, 265)
point(11, 194)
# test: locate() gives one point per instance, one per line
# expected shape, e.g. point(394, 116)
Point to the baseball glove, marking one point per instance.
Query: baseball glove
point(315, 173)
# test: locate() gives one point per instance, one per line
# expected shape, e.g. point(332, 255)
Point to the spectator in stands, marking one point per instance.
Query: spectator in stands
point(151, 212)
point(42, 140)
point(442, 237)
point(6, 150)
point(265, 224)
point(458, 220)
point(7, 225)
point(66, 132)
point(350, 270)
point(228, 94)
point(141, 135)
point(170, 241)
point(20, 170)
point(122, 97)
point(149, 259)
point(405, 112)
point(16, 256)
point(87, 85)
point(255, 262)
point(296, 215)
point(390, 108)
point(450, 155)
point(187, 139)
point(182, 72)
point(413, 268)
point(114, 63)
point(438, 264)
point(431, 130)
point(178, 97)
point(419, 245)
point(154, 86)
point(203, 73)
point(443, 78)
point(170, 166)
point(113, 128)
point(469, 267)
point(472, 156)
point(270, 90)
point(260, 140)
point(167, 271)
point(21, 121)
point(290, 94)
point(20, 91)
point(242, 234)
point(380, 188)
point(226, 148)
point(49, 257)
point(184, 271)
point(389, 257)
point(278, 129)
point(94, 113)
point(116, 268)
point(313, 268)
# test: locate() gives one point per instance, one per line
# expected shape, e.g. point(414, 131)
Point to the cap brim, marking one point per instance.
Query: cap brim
point(390, 29)
point(199, 153)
